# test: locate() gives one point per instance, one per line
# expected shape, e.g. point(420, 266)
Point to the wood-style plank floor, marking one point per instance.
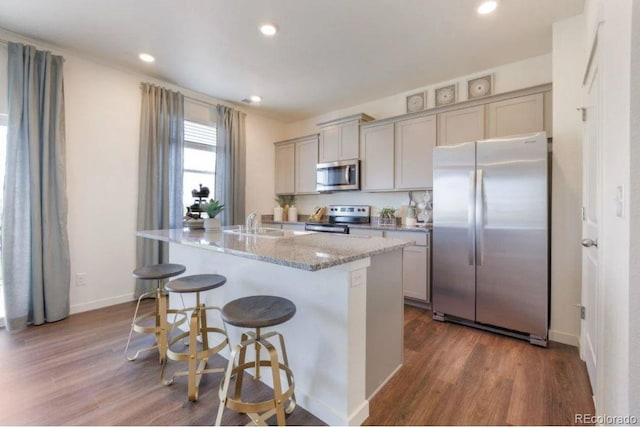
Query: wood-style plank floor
point(73, 372)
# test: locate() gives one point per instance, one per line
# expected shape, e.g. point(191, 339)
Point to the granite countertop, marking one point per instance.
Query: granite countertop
point(301, 250)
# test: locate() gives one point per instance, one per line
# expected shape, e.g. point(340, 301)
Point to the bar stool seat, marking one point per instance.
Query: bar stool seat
point(159, 273)
point(198, 329)
point(257, 312)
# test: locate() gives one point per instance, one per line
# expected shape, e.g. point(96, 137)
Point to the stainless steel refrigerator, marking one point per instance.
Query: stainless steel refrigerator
point(490, 235)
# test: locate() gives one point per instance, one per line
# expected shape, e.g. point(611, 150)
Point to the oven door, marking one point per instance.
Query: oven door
point(342, 175)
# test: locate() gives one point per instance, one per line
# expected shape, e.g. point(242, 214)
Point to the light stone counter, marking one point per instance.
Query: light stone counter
point(308, 251)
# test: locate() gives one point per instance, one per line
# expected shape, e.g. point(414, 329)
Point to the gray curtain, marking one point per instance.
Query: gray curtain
point(159, 173)
point(230, 164)
point(35, 244)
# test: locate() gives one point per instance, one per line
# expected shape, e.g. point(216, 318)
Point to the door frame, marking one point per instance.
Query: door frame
point(595, 60)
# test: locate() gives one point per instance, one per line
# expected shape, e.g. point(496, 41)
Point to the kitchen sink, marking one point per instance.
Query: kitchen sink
point(265, 232)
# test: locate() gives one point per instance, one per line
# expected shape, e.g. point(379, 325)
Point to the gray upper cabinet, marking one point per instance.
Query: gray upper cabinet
point(284, 173)
point(414, 143)
point(376, 157)
point(398, 155)
point(329, 150)
point(340, 139)
point(461, 126)
point(514, 116)
point(295, 164)
point(305, 168)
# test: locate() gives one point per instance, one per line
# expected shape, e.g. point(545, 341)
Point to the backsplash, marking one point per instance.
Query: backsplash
point(397, 200)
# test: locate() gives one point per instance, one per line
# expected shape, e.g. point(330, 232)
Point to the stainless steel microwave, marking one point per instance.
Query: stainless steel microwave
point(341, 175)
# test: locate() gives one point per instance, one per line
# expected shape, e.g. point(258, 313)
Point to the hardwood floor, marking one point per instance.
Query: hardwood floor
point(73, 372)
point(455, 375)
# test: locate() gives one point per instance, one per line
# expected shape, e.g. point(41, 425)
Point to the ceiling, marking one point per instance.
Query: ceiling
point(328, 54)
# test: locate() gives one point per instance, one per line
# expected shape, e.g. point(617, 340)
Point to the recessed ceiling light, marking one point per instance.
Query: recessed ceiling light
point(268, 29)
point(146, 57)
point(255, 98)
point(487, 7)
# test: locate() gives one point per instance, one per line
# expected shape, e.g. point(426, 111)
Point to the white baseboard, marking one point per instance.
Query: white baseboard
point(562, 337)
point(101, 303)
point(393, 373)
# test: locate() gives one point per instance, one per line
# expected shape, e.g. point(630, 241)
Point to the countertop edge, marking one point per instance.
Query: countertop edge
point(162, 235)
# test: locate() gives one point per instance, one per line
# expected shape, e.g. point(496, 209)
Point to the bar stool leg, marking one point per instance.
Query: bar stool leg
point(133, 321)
point(193, 351)
point(162, 335)
point(277, 387)
point(285, 360)
point(240, 373)
point(223, 392)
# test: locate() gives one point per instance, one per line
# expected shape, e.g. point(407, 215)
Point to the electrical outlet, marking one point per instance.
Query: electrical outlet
point(81, 280)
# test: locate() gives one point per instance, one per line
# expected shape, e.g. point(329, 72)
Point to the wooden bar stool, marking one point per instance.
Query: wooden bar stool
point(160, 329)
point(198, 329)
point(257, 312)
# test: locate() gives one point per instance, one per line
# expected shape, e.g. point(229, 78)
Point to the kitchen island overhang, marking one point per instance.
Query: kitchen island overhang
point(345, 341)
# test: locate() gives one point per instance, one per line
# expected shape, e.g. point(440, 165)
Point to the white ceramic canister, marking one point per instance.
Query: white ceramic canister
point(277, 214)
point(293, 213)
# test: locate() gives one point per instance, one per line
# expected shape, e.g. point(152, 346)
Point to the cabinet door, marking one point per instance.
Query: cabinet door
point(285, 161)
point(415, 279)
point(461, 126)
point(376, 157)
point(330, 144)
point(305, 168)
point(414, 143)
point(350, 141)
point(520, 115)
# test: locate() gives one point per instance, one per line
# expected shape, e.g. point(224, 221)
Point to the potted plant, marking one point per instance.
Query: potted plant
point(387, 217)
point(212, 208)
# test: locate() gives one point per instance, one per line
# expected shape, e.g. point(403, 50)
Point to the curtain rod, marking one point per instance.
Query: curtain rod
point(187, 97)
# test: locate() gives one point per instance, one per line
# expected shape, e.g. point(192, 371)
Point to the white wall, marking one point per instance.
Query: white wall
point(102, 129)
point(3, 78)
point(507, 77)
point(260, 190)
point(566, 262)
point(634, 209)
point(614, 39)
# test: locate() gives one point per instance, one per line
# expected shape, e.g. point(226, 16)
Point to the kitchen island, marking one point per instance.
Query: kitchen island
point(345, 341)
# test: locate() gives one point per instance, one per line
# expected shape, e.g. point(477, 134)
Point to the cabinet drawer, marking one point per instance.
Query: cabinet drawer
point(419, 237)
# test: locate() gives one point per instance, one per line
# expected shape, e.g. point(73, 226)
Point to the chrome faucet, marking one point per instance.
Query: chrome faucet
point(252, 224)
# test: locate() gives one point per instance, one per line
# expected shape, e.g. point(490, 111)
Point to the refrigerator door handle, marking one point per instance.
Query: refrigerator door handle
point(479, 203)
point(471, 212)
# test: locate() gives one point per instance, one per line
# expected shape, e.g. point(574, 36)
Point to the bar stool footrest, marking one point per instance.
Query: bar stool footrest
point(263, 406)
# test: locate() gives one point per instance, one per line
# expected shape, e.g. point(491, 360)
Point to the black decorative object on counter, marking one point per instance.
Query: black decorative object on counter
point(196, 209)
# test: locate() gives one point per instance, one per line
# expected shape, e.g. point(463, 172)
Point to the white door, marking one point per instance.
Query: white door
point(591, 202)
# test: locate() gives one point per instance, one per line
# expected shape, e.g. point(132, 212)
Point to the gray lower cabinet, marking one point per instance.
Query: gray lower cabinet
point(416, 261)
point(416, 265)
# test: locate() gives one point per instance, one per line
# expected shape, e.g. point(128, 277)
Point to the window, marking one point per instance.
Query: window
point(3, 149)
point(199, 159)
